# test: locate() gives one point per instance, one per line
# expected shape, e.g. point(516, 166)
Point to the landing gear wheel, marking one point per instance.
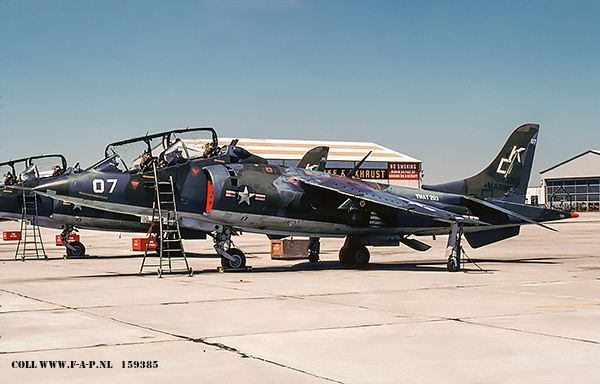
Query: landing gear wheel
point(453, 249)
point(313, 256)
point(361, 256)
point(238, 262)
point(344, 258)
point(453, 264)
point(78, 251)
point(354, 255)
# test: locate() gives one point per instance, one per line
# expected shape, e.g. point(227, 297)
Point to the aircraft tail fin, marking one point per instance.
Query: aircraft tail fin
point(508, 174)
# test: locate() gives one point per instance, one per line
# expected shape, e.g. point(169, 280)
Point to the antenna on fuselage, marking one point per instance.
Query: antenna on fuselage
point(357, 166)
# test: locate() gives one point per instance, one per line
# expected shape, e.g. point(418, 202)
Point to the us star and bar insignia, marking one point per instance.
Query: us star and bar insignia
point(246, 195)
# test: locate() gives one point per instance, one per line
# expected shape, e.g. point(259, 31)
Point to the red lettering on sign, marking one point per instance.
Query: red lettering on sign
point(403, 171)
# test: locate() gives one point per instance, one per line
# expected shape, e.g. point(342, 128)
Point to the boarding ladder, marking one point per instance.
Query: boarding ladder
point(165, 230)
point(30, 242)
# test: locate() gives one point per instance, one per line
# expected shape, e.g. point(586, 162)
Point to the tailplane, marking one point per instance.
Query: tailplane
point(507, 176)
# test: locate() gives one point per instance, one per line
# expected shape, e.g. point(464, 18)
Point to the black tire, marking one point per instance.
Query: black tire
point(354, 255)
point(79, 250)
point(313, 256)
point(238, 255)
point(361, 256)
point(453, 265)
point(344, 256)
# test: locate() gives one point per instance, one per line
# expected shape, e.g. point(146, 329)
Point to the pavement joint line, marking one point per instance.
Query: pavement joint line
point(126, 305)
point(16, 311)
point(88, 347)
point(589, 300)
point(249, 356)
point(318, 329)
point(181, 337)
point(465, 321)
point(216, 345)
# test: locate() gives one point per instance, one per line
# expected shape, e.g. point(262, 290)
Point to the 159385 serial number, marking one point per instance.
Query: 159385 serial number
point(139, 364)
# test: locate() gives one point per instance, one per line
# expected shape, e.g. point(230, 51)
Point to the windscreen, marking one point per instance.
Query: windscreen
point(29, 174)
point(112, 164)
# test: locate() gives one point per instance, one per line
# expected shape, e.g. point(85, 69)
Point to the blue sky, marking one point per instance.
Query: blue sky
point(442, 81)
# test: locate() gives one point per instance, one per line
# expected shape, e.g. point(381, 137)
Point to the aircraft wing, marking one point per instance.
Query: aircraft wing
point(103, 205)
point(359, 190)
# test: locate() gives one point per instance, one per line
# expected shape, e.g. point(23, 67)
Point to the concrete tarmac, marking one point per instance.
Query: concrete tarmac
point(531, 314)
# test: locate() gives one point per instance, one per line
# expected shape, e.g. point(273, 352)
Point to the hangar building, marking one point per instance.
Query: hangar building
point(573, 184)
point(384, 165)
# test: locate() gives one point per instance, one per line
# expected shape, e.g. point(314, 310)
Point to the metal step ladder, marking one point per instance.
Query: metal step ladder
point(30, 243)
point(165, 231)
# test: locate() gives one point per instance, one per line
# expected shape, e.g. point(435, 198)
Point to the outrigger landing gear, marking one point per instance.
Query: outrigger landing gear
point(354, 254)
point(314, 248)
point(231, 258)
point(75, 248)
point(454, 249)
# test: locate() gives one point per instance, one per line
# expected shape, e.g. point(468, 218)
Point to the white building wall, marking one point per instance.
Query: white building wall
point(585, 165)
point(536, 191)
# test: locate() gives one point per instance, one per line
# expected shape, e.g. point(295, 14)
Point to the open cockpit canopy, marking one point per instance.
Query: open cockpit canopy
point(169, 148)
point(32, 168)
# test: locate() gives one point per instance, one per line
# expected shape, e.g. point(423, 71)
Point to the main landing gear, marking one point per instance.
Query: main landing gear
point(231, 258)
point(74, 248)
point(354, 254)
point(314, 247)
point(454, 249)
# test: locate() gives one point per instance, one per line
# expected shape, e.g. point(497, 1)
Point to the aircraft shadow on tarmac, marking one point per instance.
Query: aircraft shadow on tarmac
point(415, 266)
point(476, 266)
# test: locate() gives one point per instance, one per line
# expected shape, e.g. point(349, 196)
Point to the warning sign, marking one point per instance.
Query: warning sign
point(403, 171)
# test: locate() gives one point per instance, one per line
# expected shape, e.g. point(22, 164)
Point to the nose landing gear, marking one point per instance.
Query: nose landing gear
point(74, 248)
point(231, 258)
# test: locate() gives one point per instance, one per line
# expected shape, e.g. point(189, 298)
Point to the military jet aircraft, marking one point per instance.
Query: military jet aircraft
point(486, 208)
point(125, 180)
point(20, 175)
point(281, 201)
